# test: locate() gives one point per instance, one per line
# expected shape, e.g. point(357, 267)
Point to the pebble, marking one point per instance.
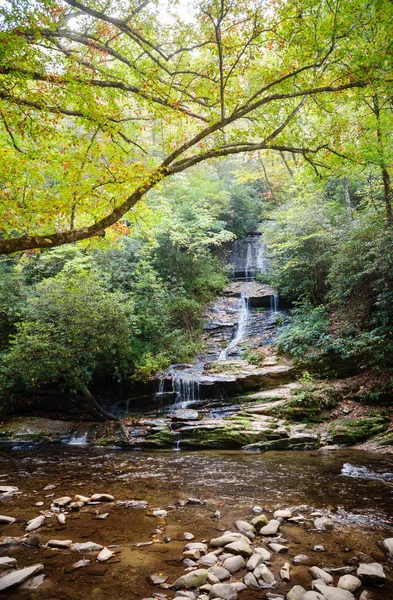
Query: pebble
point(311, 595)
point(323, 524)
point(244, 526)
point(255, 560)
point(257, 509)
point(301, 559)
point(285, 572)
point(387, 545)
point(63, 501)
point(333, 593)
point(62, 544)
point(159, 512)
point(188, 536)
point(226, 591)
point(296, 593)
point(86, 547)
point(61, 518)
point(157, 578)
point(6, 520)
point(183, 594)
point(189, 563)
point(319, 549)
point(233, 564)
point(282, 514)
point(239, 547)
point(193, 579)
point(251, 582)
point(349, 582)
point(271, 528)
point(105, 555)
point(318, 573)
point(220, 572)
point(278, 548)
point(195, 501)
point(6, 562)
point(35, 523)
point(208, 560)
point(102, 498)
point(39, 504)
point(259, 521)
point(263, 575)
point(102, 516)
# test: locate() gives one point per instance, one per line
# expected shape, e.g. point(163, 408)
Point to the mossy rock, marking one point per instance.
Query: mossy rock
point(160, 439)
point(385, 439)
point(351, 431)
point(220, 438)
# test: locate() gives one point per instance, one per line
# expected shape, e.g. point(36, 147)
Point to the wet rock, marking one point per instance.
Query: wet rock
point(235, 563)
point(251, 582)
point(188, 536)
point(296, 593)
point(323, 524)
point(61, 518)
point(387, 545)
point(35, 523)
point(263, 575)
point(19, 576)
point(157, 578)
point(62, 502)
point(6, 562)
point(185, 415)
point(6, 520)
point(333, 593)
point(228, 538)
point(62, 544)
point(282, 514)
point(301, 559)
point(371, 574)
point(312, 596)
point(239, 547)
point(86, 547)
point(285, 572)
point(220, 572)
point(102, 498)
point(104, 555)
point(278, 548)
point(191, 580)
point(208, 560)
point(226, 591)
point(317, 573)
point(349, 582)
point(271, 528)
point(259, 522)
point(244, 526)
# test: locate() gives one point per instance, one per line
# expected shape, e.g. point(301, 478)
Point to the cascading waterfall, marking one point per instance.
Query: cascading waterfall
point(78, 439)
point(241, 328)
point(274, 303)
point(249, 270)
point(186, 387)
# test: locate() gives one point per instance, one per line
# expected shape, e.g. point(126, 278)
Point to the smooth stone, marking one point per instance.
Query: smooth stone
point(228, 538)
point(19, 576)
point(193, 579)
point(272, 596)
point(63, 501)
point(105, 555)
point(189, 563)
point(333, 593)
point(318, 573)
point(193, 554)
point(35, 523)
point(81, 563)
point(366, 595)
point(79, 498)
point(259, 521)
point(6, 520)
point(271, 528)
point(323, 524)
point(312, 596)
point(257, 509)
point(188, 536)
point(387, 545)
point(349, 582)
point(6, 562)
point(251, 582)
point(8, 489)
point(189, 595)
point(295, 593)
point(102, 498)
point(76, 505)
point(86, 547)
point(196, 546)
point(33, 540)
point(61, 519)
point(159, 512)
point(208, 560)
point(32, 583)
point(244, 526)
point(319, 549)
point(233, 564)
point(63, 544)
point(371, 573)
point(221, 572)
point(285, 572)
point(206, 587)
point(282, 514)
point(239, 586)
point(39, 504)
point(315, 583)
point(254, 561)
point(156, 578)
point(265, 553)
point(301, 559)
point(185, 415)
point(212, 579)
point(278, 548)
point(102, 516)
point(226, 591)
point(239, 547)
point(263, 574)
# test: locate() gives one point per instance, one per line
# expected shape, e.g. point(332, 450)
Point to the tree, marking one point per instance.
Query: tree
point(101, 102)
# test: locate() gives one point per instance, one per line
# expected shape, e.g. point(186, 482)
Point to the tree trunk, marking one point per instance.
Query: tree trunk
point(387, 190)
point(89, 396)
point(347, 200)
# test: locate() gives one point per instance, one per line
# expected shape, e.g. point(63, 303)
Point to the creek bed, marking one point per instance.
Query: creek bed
point(356, 486)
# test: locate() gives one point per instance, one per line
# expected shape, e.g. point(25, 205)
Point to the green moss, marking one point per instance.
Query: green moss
point(350, 431)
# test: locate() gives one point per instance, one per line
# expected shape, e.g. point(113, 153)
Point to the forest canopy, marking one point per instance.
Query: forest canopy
point(102, 101)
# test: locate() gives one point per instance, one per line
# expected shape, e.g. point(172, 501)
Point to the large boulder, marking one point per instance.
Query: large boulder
point(193, 579)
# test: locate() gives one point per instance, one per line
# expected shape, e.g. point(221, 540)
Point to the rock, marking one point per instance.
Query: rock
point(266, 555)
point(76, 505)
point(195, 501)
point(323, 524)
point(226, 591)
point(366, 595)
point(387, 544)
point(296, 593)
point(193, 579)
point(196, 546)
point(19, 576)
point(207, 587)
point(189, 563)
point(217, 515)
point(208, 560)
point(39, 504)
point(185, 415)
point(6, 562)
point(188, 536)
point(285, 572)
point(79, 498)
point(312, 596)
point(263, 575)
point(228, 538)
point(282, 514)
point(60, 544)
point(220, 572)
point(102, 516)
point(8, 489)
point(243, 526)
point(81, 563)
point(251, 582)
point(278, 548)
point(189, 595)
point(105, 555)
point(271, 528)
point(349, 582)
point(318, 573)
point(239, 586)
point(339, 570)
point(259, 522)
point(86, 547)
point(233, 564)
point(239, 547)
point(159, 512)
point(102, 498)
point(193, 554)
point(254, 561)
point(212, 579)
point(35, 523)
point(32, 540)
point(156, 578)
point(333, 593)
point(257, 509)
point(371, 574)
point(61, 518)
point(301, 559)
point(6, 520)
point(316, 583)
point(63, 501)
point(319, 549)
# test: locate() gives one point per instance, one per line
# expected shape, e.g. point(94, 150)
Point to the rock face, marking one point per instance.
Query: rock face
point(371, 574)
point(193, 579)
point(19, 576)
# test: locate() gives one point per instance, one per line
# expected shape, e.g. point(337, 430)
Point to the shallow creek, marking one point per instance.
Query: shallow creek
point(356, 486)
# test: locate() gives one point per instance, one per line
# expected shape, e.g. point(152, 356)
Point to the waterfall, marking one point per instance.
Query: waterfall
point(78, 439)
point(185, 384)
point(274, 303)
point(249, 262)
point(241, 328)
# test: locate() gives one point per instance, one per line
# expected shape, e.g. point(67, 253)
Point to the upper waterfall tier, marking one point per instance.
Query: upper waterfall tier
point(247, 258)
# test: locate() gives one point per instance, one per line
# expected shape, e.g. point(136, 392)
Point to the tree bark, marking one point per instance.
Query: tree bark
point(89, 396)
point(387, 190)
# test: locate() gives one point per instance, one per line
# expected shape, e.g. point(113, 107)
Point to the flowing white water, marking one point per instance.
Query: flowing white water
point(241, 329)
point(274, 303)
point(78, 440)
point(249, 270)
